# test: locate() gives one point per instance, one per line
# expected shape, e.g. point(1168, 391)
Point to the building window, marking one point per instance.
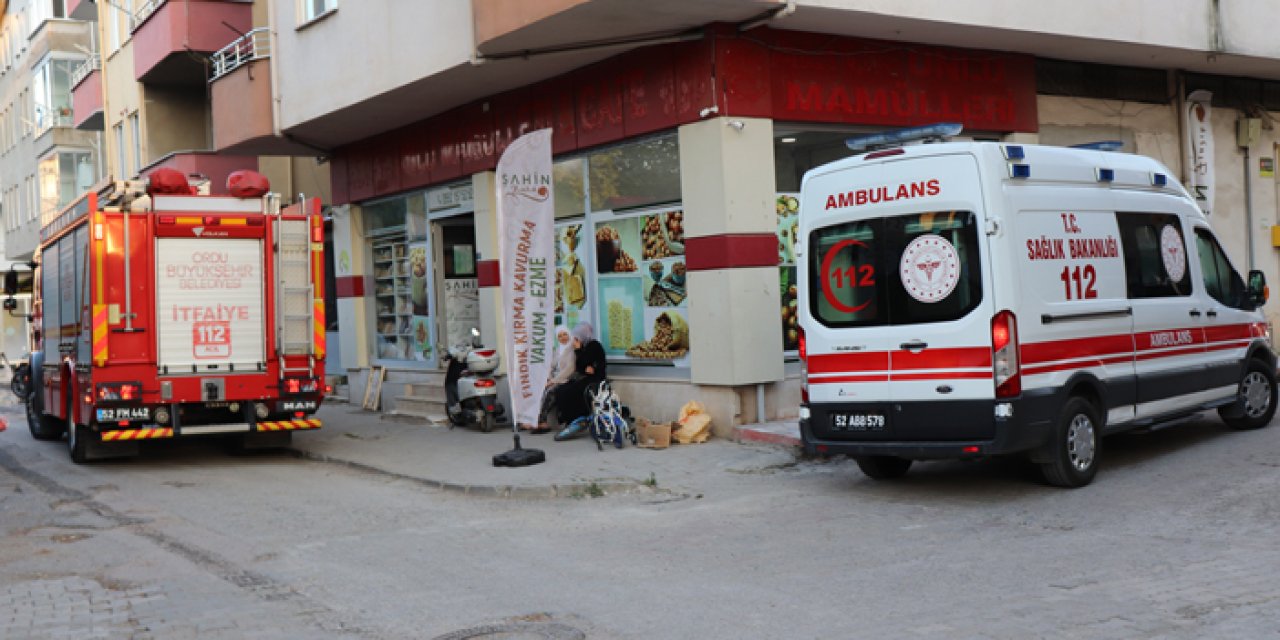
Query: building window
point(31, 198)
point(51, 89)
point(135, 130)
point(121, 168)
point(312, 9)
point(63, 176)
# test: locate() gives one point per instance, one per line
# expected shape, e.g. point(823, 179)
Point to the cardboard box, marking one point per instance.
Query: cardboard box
point(653, 435)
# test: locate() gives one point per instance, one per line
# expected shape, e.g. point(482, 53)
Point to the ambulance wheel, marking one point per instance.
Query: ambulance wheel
point(1075, 446)
point(1257, 399)
point(78, 442)
point(42, 426)
point(883, 467)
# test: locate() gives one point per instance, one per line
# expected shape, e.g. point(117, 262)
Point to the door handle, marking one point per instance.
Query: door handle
point(1195, 313)
point(914, 345)
point(1212, 313)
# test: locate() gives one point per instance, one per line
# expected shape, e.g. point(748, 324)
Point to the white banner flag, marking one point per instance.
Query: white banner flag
point(526, 224)
point(1200, 148)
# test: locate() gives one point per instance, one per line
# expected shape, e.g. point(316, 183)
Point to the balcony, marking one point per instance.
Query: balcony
point(169, 31)
point(82, 10)
point(240, 93)
point(86, 95)
point(206, 164)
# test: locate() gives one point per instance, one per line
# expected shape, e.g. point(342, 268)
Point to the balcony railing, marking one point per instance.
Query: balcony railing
point(140, 16)
point(48, 117)
point(255, 45)
point(91, 64)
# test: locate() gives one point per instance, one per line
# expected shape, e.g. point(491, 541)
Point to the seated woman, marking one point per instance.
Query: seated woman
point(562, 371)
point(589, 365)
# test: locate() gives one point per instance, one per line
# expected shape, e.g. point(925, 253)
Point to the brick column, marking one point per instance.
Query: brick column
point(728, 186)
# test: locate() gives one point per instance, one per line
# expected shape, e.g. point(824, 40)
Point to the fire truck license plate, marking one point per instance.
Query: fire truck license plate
point(115, 414)
point(857, 422)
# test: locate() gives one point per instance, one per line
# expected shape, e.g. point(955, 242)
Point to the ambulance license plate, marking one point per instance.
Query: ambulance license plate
point(861, 421)
point(116, 414)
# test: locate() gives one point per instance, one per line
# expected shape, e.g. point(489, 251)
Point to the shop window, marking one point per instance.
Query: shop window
point(787, 208)
point(402, 279)
point(641, 285)
point(570, 187)
point(636, 174)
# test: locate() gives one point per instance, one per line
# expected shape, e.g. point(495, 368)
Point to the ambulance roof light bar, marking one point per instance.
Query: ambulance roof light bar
point(1101, 145)
point(928, 133)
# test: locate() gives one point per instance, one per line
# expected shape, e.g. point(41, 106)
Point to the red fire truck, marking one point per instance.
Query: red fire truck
point(162, 312)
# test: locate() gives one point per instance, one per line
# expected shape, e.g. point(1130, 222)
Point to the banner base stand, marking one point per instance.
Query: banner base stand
point(519, 457)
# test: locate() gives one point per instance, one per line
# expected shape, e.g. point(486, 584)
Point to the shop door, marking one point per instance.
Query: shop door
point(458, 297)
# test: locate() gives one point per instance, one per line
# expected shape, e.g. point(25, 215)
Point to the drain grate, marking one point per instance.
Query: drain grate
point(517, 631)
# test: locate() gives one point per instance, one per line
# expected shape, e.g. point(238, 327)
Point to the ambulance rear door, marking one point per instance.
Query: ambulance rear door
point(900, 304)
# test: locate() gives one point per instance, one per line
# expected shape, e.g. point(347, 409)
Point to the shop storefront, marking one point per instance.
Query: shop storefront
point(676, 182)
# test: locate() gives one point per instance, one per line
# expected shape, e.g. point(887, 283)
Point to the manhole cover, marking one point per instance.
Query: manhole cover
point(517, 631)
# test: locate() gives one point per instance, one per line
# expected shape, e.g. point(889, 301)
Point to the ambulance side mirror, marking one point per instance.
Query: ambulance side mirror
point(1258, 287)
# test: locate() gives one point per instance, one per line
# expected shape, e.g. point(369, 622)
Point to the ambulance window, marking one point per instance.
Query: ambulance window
point(901, 270)
point(1155, 255)
point(1221, 281)
point(844, 275)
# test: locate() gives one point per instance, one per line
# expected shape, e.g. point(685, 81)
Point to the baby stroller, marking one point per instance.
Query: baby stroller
point(609, 420)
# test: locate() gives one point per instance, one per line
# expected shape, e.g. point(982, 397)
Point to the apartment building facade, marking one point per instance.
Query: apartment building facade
point(681, 130)
point(44, 160)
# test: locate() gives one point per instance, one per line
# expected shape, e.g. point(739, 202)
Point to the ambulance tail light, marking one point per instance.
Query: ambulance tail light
point(1004, 349)
point(804, 365)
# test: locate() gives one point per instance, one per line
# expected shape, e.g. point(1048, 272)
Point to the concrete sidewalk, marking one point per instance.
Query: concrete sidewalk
point(462, 460)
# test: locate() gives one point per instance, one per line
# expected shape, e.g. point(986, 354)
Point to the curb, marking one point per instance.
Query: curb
point(767, 437)
point(598, 488)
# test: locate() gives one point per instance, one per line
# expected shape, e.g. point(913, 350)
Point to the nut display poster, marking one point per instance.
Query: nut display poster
point(571, 274)
point(526, 223)
point(642, 285)
point(787, 208)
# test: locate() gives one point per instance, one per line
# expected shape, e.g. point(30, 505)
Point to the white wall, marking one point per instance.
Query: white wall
point(1173, 23)
point(364, 49)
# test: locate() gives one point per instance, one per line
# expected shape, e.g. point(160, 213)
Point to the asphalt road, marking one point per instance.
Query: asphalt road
point(1177, 538)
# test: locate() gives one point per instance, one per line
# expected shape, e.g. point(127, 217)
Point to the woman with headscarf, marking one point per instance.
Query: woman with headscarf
point(589, 365)
point(562, 370)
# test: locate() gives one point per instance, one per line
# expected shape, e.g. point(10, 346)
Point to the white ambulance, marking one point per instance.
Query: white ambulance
point(970, 299)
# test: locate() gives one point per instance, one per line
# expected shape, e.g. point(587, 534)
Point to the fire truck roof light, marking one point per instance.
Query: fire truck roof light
point(928, 133)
